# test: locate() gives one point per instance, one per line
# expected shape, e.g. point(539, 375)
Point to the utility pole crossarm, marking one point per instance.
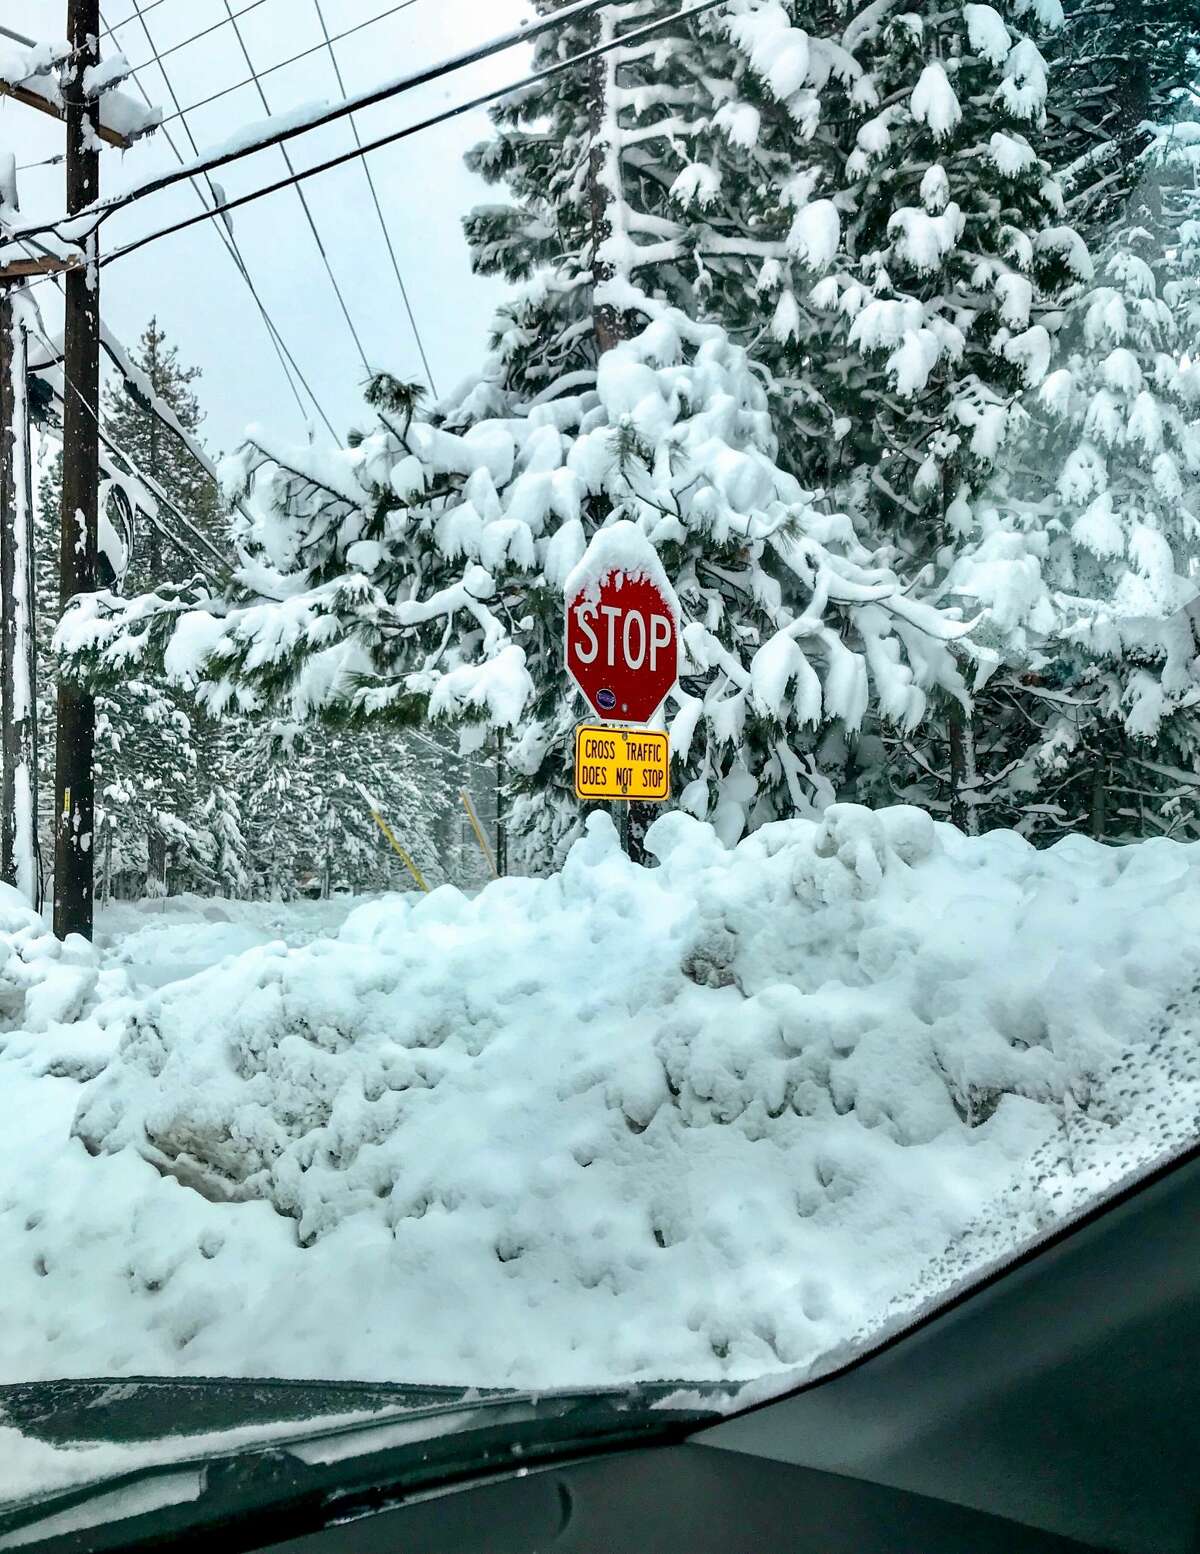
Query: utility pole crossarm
point(120, 120)
point(41, 264)
point(30, 97)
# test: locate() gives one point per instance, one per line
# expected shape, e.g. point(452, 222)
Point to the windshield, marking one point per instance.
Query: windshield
point(601, 688)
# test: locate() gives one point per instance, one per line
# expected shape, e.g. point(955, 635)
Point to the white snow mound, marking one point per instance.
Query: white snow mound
point(47, 987)
point(699, 1120)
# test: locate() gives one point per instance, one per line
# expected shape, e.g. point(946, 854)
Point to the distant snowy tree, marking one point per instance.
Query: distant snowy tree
point(144, 804)
point(309, 824)
point(223, 815)
point(1117, 71)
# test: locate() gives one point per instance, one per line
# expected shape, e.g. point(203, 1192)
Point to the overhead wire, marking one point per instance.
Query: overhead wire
point(383, 226)
point(125, 20)
point(312, 224)
point(226, 236)
point(261, 137)
point(414, 129)
point(229, 242)
point(116, 354)
point(292, 59)
point(205, 31)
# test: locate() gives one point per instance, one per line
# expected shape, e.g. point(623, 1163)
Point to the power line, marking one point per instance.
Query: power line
point(230, 243)
point(261, 137)
point(383, 226)
point(312, 225)
point(137, 16)
point(225, 235)
point(204, 32)
point(292, 59)
point(414, 129)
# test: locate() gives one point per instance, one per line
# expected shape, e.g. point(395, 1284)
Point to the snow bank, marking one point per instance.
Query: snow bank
point(697, 1121)
point(169, 938)
point(48, 988)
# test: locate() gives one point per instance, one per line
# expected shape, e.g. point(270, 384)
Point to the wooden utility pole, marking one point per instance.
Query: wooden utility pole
point(74, 780)
point(156, 843)
point(19, 861)
point(610, 323)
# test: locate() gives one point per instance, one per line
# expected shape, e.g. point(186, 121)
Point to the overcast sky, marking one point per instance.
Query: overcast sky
point(189, 281)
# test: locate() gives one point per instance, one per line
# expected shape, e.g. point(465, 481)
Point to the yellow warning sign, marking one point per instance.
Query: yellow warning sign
point(622, 763)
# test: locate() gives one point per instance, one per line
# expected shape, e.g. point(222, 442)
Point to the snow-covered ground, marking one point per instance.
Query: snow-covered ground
point(171, 938)
point(707, 1120)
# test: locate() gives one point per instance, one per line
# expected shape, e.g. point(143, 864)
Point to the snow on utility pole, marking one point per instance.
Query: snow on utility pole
point(19, 862)
point(611, 322)
point(74, 777)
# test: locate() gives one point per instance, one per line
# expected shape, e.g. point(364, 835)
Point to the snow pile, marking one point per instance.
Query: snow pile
point(169, 938)
point(694, 1121)
point(47, 986)
point(1140, 1110)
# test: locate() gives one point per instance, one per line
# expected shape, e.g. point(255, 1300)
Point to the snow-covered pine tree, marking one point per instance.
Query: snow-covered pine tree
point(931, 226)
point(146, 780)
point(699, 157)
point(183, 792)
point(1172, 194)
point(223, 815)
point(176, 840)
point(872, 198)
point(1090, 551)
point(151, 760)
point(421, 573)
point(934, 236)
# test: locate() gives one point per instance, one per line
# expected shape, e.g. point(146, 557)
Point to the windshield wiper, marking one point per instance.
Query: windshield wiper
point(116, 1410)
point(283, 1488)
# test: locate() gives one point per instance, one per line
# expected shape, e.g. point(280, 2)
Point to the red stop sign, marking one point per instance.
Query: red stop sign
point(622, 647)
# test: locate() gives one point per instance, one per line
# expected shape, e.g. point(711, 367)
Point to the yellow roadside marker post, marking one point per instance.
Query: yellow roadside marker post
point(479, 836)
point(391, 836)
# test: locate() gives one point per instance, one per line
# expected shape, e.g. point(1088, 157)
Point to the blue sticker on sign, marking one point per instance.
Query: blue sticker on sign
point(606, 699)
